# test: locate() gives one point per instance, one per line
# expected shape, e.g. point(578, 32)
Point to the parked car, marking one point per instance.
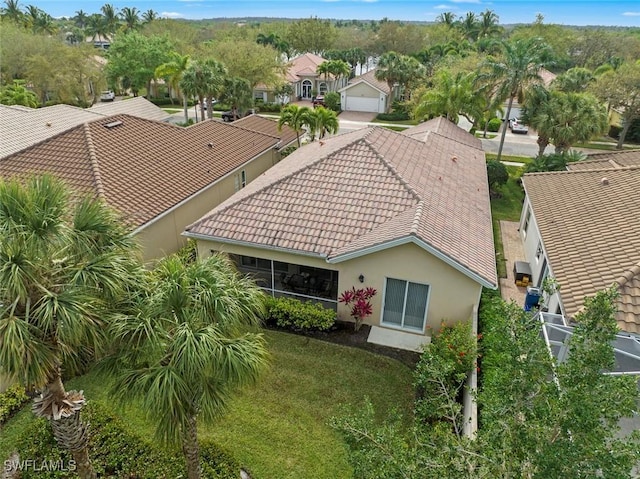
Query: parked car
point(318, 101)
point(229, 115)
point(516, 127)
point(107, 95)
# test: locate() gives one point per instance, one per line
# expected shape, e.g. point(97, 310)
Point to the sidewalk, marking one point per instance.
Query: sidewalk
point(513, 251)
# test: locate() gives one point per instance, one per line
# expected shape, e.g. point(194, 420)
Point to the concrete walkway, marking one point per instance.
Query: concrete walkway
point(513, 251)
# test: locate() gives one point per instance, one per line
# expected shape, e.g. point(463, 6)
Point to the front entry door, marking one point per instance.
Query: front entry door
point(306, 89)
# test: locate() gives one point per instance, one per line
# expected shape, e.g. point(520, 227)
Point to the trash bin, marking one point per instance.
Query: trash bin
point(522, 273)
point(532, 299)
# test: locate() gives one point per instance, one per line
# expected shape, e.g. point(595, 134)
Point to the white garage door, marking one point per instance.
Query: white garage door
point(362, 104)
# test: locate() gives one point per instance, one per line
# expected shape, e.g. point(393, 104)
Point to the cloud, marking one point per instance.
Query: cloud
point(441, 7)
point(466, 1)
point(368, 1)
point(171, 15)
point(631, 14)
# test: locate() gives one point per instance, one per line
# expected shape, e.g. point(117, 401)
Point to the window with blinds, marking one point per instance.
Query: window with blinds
point(405, 304)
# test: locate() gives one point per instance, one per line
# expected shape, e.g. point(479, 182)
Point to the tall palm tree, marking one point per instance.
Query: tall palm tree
point(173, 72)
point(189, 348)
point(488, 24)
point(111, 21)
point(452, 96)
point(237, 93)
point(131, 18)
point(575, 80)
point(149, 16)
point(12, 11)
point(80, 19)
point(470, 26)
point(339, 69)
point(217, 74)
point(96, 27)
point(517, 67)
point(534, 115)
point(202, 79)
point(295, 117)
point(447, 18)
point(398, 70)
point(64, 267)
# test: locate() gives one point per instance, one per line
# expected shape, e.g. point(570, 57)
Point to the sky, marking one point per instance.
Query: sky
point(567, 12)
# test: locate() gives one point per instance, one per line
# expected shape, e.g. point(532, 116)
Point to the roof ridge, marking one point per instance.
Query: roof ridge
point(577, 172)
point(389, 165)
point(93, 158)
point(228, 203)
point(628, 274)
point(45, 140)
point(416, 219)
point(611, 152)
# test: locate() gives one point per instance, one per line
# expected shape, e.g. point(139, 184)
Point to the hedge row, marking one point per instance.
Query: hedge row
point(299, 315)
point(11, 400)
point(116, 452)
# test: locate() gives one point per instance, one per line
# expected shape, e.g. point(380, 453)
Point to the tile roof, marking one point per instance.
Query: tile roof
point(138, 106)
point(140, 167)
point(38, 124)
point(589, 224)
point(268, 127)
point(610, 159)
point(305, 64)
point(370, 78)
point(363, 189)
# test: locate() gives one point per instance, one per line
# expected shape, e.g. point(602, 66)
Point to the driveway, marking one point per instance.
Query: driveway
point(362, 116)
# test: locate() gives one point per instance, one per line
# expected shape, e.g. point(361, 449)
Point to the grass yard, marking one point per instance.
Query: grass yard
point(508, 208)
point(398, 122)
point(279, 429)
point(515, 159)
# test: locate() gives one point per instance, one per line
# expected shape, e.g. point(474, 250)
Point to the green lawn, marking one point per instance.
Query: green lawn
point(515, 159)
point(398, 122)
point(279, 429)
point(507, 207)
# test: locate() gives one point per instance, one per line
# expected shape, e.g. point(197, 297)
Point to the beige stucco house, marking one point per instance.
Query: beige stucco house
point(302, 75)
point(160, 177)
point(581, 227)
point(405, 213)
point(365, 93)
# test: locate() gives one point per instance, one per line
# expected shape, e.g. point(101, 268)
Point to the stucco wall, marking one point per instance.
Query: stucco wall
point(165, 235)
point(452, 295)
point(362, 90)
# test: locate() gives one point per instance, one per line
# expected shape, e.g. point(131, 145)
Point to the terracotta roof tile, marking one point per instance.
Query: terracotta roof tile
point(140, 167)
point(370, 78)
point(610, 159)
point(365, 188)
point(305, 64)
point(589, 224)
point(38, 124)
point(286, 135)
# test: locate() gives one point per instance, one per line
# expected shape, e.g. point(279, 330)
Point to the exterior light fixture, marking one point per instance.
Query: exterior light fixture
point(361, 278)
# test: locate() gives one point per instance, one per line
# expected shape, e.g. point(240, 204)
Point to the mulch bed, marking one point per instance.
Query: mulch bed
point(343, 333)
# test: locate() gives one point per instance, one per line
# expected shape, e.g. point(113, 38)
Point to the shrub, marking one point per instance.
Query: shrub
point(11, 400)
point(393, 116)
point(299, 315)
point(441, 372)
point(284, 152)
point(269, 107)
point(497, 174)
point(332, 101)
point(358, 299)
point(115, 451)
point(494, 125)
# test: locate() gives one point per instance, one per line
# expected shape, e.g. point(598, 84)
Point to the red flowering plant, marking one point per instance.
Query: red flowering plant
point(358, 299)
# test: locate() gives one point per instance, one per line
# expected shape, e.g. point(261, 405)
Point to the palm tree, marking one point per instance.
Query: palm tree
point(338, 69)
point(488, 24)
point(534, 114)
point(189, 348)
point(517, 67)
point(12, 11)
point(202, 80)
point(217, 74)
point(65, 265)
point(130, 17)
point(400, 70)
point(173, 72)
point(451, 96)
point(80, 19)
point(96, 27)
point(237, 93)
point(149, 16)
point(470, 26)
point(447, 18)
point(322, 121)
point(575, 80)
point(295, 117)
point(111, 22)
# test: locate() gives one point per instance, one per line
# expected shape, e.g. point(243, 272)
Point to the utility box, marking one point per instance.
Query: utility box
point(522, 273)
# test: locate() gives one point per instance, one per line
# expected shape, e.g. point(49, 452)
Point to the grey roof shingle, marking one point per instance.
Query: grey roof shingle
point(354, 191)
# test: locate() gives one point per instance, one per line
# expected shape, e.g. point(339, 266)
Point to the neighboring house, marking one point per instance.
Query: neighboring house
point(21, 127)
point(582, 227)
point(405, 213)
point(303, 77)
point(365, 93)
point(160, 177)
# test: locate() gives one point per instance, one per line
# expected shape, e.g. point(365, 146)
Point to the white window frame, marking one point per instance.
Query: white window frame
point(527, 220)
point(240, 180)
point(539, 251)
point(402, 327)
point(322, 88)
